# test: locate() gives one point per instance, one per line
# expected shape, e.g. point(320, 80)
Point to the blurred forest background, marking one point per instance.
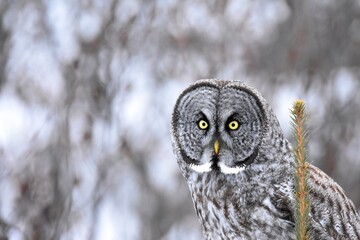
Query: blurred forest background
point(87, 89)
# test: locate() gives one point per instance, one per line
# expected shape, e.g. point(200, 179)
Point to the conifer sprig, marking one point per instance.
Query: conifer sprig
point(300, 132)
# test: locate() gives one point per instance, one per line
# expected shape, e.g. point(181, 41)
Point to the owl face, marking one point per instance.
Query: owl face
point(218, 126)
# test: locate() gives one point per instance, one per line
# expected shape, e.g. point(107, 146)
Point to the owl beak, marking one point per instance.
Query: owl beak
point(216, 147)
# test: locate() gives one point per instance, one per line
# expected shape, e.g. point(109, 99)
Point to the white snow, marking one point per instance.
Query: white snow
point(344, 85)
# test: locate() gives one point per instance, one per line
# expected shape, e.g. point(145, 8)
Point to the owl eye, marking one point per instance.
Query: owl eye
point(203, 124)
point(233, 125)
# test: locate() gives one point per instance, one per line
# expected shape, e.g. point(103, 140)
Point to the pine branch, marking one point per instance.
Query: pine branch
point(301, 195)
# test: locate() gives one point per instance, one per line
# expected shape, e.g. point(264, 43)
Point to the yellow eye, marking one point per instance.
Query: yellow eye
point(203, 124)
point(233, 125)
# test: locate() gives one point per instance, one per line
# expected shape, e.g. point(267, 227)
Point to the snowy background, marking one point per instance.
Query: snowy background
point(87, 89)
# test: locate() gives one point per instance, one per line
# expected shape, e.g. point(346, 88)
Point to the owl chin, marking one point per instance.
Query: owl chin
point(230, 170)
point(238, 166)
point(202, 168)
point(222, 167)
point(217, 165)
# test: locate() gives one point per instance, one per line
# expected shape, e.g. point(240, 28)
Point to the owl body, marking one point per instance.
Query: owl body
point(240, 168)
point(233, 211)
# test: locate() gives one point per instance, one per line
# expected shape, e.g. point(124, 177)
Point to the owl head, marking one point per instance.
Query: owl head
point(218, 126)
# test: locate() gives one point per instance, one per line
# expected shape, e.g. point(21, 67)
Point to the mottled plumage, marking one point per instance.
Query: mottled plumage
point(240, 168)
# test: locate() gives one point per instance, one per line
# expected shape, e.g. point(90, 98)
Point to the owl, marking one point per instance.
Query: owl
point(240, 168)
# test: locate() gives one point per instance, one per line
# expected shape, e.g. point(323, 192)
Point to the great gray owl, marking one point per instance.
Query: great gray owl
point(240, 168)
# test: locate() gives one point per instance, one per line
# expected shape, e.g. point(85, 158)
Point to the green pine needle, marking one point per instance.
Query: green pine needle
point(298, 118)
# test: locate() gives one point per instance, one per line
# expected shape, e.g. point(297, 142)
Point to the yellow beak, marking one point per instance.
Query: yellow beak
point(216, 147)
